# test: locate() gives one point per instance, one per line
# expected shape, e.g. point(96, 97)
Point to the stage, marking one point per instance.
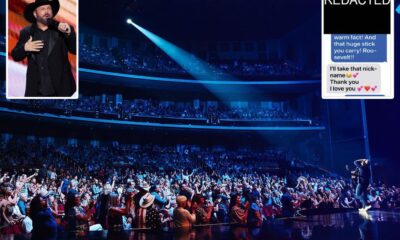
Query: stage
point(350, 225)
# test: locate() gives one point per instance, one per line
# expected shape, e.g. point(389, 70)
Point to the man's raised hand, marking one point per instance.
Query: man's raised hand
point(65, 28)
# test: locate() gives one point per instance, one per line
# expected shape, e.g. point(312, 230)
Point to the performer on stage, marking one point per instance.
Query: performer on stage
point(363, 174)
point(46, 47)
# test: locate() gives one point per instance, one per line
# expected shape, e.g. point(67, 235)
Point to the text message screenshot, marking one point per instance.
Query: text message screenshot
point(357, 49)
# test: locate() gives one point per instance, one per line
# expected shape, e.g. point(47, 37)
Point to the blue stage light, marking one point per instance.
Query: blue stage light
point(398, 9)
point(196, 67)
point(192, 64)
point(204, 82)
point(163, 125)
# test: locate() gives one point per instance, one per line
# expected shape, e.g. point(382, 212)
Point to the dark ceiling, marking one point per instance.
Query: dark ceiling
point(181, 20)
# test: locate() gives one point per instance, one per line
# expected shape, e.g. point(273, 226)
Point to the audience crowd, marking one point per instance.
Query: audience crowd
point(48, 187)
point(129, 109)
point(159, 63)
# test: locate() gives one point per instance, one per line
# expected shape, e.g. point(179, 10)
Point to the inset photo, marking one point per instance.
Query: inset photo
point(42, 49)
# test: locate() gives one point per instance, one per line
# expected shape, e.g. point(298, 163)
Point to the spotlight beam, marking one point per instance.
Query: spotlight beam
point(196, 67)
point(185, 59)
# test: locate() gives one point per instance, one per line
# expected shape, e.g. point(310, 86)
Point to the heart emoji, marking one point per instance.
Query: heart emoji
point(359, 88)
point(374, 88)
point(367, 88)
point(348, 75)
point(355, 75)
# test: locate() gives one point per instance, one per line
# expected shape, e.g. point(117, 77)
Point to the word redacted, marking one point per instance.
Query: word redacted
point(357, 2)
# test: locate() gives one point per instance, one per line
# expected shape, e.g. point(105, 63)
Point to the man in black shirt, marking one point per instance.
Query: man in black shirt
point(46, 44)
point(364, 176)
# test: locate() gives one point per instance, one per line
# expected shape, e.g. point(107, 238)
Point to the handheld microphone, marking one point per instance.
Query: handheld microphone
point(53, 23)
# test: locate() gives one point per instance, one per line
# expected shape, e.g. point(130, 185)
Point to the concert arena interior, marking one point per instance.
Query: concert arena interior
point(197, 119)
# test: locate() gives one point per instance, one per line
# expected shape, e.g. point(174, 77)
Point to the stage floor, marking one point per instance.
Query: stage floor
point(339, 226)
